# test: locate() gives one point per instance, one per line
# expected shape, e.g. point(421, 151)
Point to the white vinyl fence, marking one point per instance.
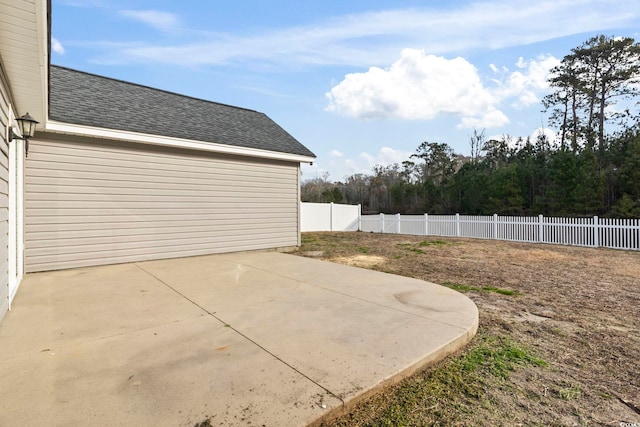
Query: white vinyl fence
point(329, 217)
point(592, 232)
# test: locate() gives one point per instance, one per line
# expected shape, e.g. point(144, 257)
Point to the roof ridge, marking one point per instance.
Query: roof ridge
point(154, 88)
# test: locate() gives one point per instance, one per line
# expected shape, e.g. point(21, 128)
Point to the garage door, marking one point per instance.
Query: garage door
point(89, 203)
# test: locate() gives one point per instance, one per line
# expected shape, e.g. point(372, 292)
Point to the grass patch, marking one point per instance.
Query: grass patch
point(570, 393)
point(433, 243)
point(460, 286)
point(307, 239)
point(443, 396)
point(464, 287)
point(498, 290)
point(362, 249)
point(424, 243)
point(498, 356)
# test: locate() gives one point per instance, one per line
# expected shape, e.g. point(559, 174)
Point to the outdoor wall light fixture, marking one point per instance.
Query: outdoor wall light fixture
point(27, 129)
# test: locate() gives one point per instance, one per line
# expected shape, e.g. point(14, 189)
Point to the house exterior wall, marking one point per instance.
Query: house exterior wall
point(92, 202)
point(5, 117)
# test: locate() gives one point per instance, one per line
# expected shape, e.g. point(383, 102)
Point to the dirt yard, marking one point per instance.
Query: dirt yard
point(576, 310)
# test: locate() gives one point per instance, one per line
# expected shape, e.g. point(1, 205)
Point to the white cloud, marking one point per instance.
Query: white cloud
point(528, 82)
point(343, 166)
point(551, 135)
point(421, 87)
point(386, 156)
point(490, 120)
point(160, 20)
point(336, 153)
point(311, 171)
point(375, 37)
point(518, 143)
point(416, 87)
point(56, 46)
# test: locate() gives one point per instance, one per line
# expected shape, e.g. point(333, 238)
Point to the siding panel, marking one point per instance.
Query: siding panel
point(90, 203)
point(4, 196)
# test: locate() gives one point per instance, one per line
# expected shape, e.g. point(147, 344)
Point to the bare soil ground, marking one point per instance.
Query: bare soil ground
point(577, 309)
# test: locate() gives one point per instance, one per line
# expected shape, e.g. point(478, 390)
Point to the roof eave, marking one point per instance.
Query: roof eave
point(95, 132)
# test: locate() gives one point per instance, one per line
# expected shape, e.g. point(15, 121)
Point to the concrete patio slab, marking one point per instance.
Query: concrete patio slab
point(237, 339)
point(69, 306)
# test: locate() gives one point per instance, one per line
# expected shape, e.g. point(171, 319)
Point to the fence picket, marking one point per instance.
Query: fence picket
point(592, 232)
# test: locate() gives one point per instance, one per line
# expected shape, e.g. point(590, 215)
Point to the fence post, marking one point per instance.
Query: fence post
point(359, 217)
point(331, 216)
point(426, 224)
point(540, 228)
point(495, 226)
point(596, 231)
point(397, 223)
point(458, 225)
point(382, 223)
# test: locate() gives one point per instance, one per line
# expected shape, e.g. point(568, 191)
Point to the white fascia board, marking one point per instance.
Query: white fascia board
point(166, 141)
point(43, 53)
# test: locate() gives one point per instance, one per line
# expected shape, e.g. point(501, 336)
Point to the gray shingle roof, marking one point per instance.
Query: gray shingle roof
point(86, 99)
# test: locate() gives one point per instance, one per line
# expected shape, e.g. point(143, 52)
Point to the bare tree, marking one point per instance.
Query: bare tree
point(476, 143)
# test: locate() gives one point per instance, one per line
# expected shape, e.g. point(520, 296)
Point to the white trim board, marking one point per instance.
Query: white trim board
point(16, 213)
point(79, 130)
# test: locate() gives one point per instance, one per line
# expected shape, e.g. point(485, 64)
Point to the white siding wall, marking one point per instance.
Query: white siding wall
point(93, 202)
point(4, 196)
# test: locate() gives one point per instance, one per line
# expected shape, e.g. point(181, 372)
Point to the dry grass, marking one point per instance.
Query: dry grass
point(559, 336)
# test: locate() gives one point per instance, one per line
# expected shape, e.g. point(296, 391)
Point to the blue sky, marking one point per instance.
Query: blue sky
point(359, 82)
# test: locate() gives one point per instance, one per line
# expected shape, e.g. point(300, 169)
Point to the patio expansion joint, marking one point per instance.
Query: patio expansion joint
point(213, 315)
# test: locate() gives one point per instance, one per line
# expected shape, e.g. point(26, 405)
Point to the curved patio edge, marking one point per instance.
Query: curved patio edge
point(431, 358)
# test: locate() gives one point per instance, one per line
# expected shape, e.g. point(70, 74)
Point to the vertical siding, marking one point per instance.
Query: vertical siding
point(91, 203)
point(4, 196)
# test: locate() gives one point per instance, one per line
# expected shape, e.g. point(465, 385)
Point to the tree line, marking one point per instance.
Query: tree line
point(593, 168)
